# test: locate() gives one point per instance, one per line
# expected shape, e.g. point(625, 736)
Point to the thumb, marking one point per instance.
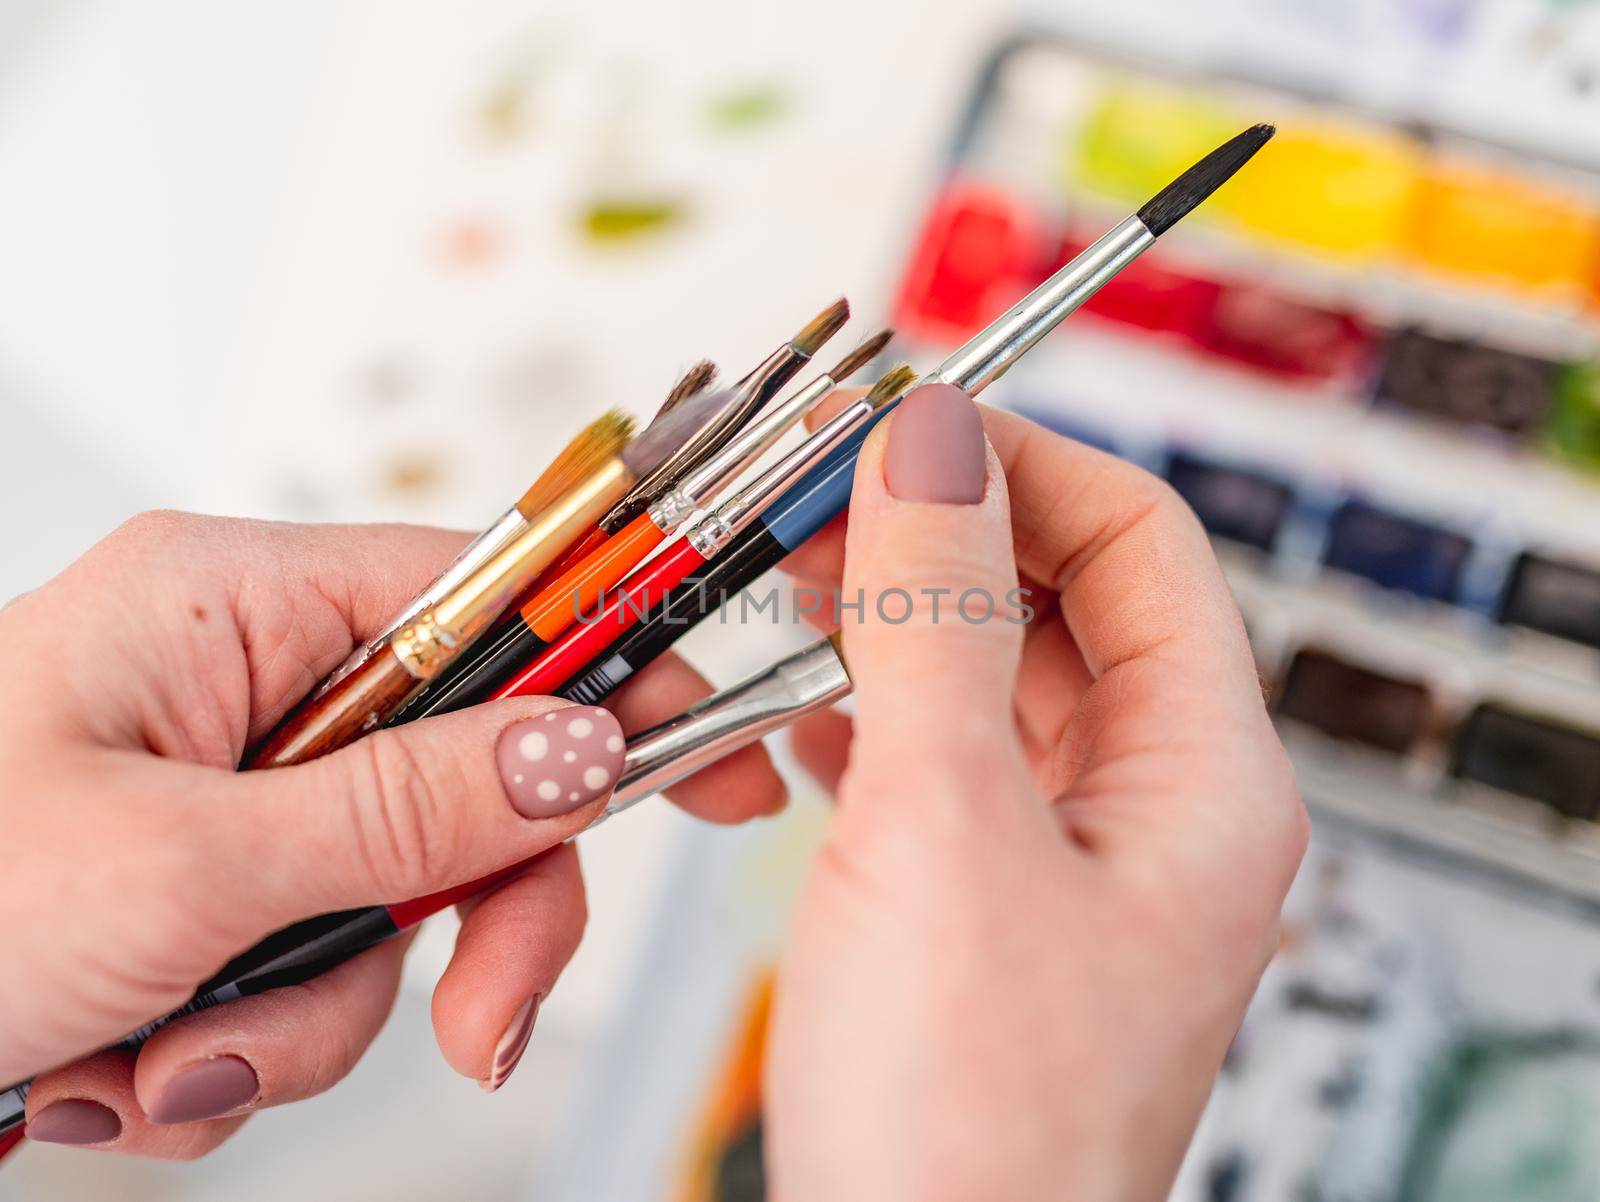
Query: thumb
point(418, 808)
point(933, 624)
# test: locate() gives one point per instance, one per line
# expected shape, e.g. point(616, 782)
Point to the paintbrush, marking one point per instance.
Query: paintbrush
point(604, 465)
point(749, 514)
point(549, 487)
point(558, 602)
point(985, 358)
point(742, 400)
point(749, 395)
point(547, 663)
point(694, 381)
point(823, 495)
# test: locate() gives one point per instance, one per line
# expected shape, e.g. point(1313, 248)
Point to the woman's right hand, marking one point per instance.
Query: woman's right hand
point(1060, 850)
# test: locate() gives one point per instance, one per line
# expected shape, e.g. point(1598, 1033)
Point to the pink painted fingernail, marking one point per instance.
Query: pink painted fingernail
point(936, 450)
point(561, 760)
point(206, 1089)
point(508, 1052)
point(74, 1121)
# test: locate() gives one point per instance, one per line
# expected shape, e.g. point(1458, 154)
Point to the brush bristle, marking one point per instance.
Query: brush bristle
point(821, 328)
point(646, 452)
point(861, 356)
point(892, 385)
point(697, 379)
point(1184, 194)
point(604, 437)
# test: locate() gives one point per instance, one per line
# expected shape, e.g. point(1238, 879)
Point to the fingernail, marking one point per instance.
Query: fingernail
point(936, 450)
point(560, 760)
point(508, 1052)
point(206, 1089)
point(74, 1121)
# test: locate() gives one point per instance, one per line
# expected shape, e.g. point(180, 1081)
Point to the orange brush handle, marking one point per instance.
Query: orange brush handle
point(575, 554)
point(576, 590)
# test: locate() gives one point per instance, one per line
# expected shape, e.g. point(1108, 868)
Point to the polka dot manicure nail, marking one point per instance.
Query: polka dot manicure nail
point(560, 760)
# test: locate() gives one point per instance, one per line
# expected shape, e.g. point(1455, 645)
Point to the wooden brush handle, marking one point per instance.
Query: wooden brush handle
point(356, 704)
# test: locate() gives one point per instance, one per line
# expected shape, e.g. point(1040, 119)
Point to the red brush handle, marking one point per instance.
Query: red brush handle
point(586, 642)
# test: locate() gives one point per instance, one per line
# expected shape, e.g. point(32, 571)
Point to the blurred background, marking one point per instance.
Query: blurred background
point(360, 260)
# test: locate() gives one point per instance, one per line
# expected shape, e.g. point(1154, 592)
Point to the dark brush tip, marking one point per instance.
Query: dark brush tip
point(861, 356)
point(1184, 194)
point(821, 328)
point(697, 379)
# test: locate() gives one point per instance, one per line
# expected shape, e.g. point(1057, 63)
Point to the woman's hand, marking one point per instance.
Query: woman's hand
point(134, 860)
point(1060, 850)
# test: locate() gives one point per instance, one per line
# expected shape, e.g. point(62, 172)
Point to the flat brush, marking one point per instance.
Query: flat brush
point(799, 684)
point(560, 602)
point(823, 495)
point(418, 651)
point(524, 663)
point(749, 395)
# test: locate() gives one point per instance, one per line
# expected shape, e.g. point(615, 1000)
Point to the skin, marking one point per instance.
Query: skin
point(142, 861)
point(1049, 889)
point(1059, 853)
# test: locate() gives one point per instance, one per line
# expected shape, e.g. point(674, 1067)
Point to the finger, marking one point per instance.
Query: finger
point(1135, 571)
point(737, 787)
point(275, 1047)
point(91, 1103)
point(1170, 748)
point(1050, 686)
point(295, 598)
point(409, 811)
point(342, 584)
point(932, 647)
point(821, 742)
point(832, 404)
point(512, 946)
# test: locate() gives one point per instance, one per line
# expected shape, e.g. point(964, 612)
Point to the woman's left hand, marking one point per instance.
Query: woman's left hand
point(135, 860)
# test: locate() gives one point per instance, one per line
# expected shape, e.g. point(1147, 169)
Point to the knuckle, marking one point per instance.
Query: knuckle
point(942, 592)
point(160, 525)
point(396, 817)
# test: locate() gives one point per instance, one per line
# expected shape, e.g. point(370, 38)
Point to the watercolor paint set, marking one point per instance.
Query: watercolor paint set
point(1371, 367)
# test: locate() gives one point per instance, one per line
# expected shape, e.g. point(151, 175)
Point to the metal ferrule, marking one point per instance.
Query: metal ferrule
point(705, 481)
point(721, 724)
point(713, 532)
point(670, 510)
point(987, 357)
point(748, 395)
point(424, 647)
point(709, 535)
point(472, 557)
point(429, 642)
